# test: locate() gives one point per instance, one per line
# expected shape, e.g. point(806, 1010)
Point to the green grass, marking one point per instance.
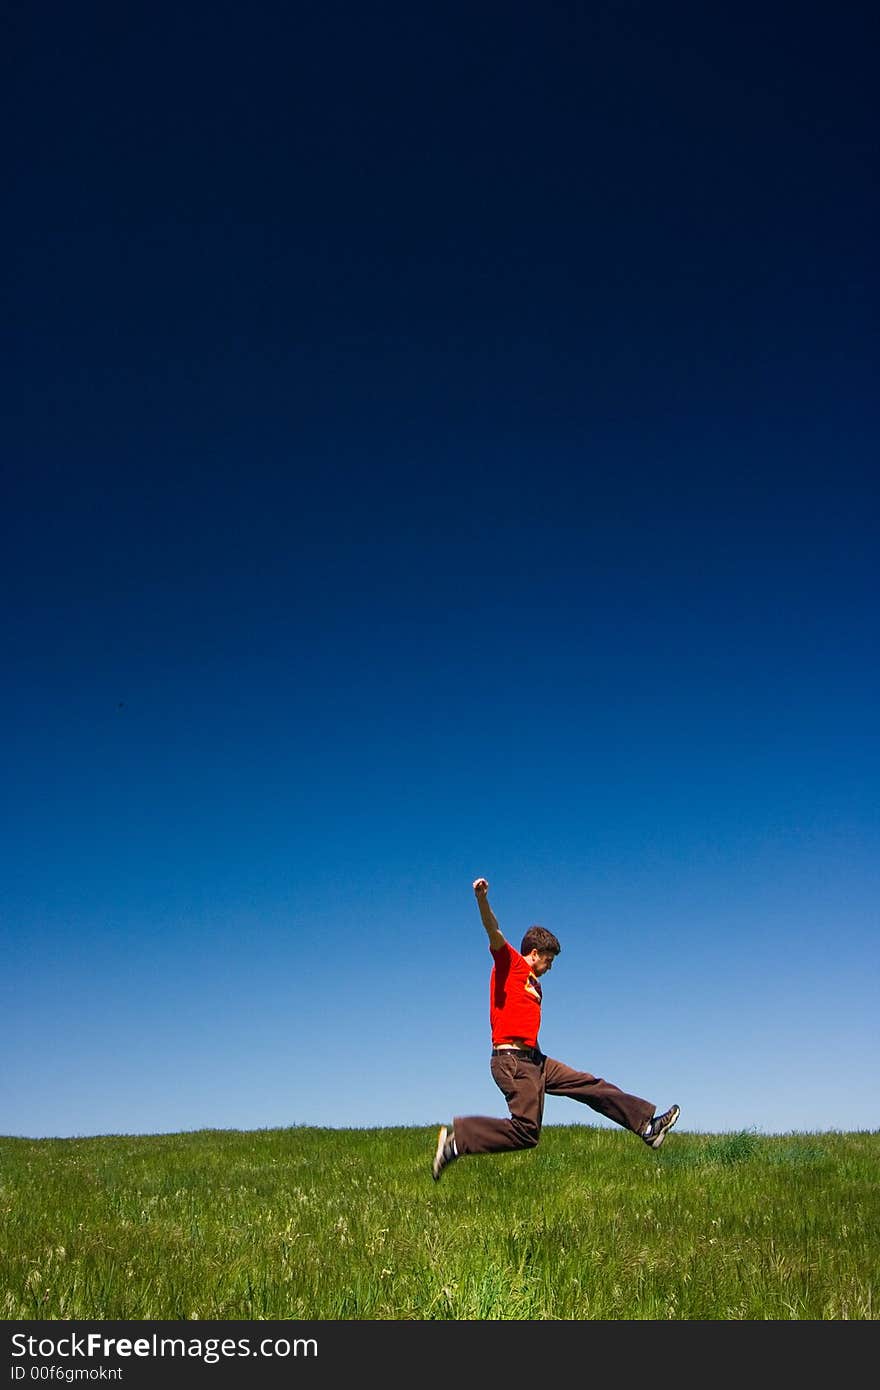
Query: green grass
point(310, 1223)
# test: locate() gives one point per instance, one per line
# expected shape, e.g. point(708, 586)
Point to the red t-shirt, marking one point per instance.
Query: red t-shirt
point(514, 999)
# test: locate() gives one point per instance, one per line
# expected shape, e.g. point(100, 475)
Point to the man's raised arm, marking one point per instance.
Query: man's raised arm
point(490, 922)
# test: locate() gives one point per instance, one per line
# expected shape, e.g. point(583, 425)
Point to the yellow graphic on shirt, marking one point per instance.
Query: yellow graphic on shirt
point(532, 987)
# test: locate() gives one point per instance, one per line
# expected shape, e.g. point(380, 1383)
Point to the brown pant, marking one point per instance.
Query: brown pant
point(524, 1084)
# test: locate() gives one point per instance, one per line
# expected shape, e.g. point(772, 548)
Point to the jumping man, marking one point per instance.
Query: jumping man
point(521, 1071)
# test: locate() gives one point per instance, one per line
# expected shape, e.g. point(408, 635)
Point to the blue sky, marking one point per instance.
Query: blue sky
point(438, 444)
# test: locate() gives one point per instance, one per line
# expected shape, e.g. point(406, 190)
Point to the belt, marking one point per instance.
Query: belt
point(531, 1054)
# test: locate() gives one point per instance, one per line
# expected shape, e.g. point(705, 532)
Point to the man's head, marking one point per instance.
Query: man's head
point(540, 948)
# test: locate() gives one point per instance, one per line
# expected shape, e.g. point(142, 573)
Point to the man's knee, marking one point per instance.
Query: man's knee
point(528, 1132)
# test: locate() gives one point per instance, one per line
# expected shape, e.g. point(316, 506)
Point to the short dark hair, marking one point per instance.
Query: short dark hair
point(540, 939)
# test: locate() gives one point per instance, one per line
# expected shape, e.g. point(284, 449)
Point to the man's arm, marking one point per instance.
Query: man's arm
point(490, 922)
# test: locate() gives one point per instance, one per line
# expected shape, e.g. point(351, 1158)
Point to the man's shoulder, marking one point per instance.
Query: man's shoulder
point(506, 952)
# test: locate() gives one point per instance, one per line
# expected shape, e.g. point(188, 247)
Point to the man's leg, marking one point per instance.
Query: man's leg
point(632, 1112)
point(522, 1083)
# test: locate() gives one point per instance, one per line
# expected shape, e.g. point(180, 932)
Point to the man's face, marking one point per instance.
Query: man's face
point(541, 961)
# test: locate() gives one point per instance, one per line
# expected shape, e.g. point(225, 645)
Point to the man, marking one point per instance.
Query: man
point(519, 1068)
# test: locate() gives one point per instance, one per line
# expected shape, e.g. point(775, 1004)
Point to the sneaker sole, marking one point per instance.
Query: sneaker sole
point(655, 1143)
point(438, 1165)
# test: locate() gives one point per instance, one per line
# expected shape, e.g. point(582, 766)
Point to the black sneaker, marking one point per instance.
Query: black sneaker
point(445, 1152)
point(660, 1126)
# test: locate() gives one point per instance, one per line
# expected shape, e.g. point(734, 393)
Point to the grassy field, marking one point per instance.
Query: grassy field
point(309, 1223)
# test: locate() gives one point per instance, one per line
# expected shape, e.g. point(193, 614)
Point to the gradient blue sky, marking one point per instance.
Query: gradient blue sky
point(439, 442)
